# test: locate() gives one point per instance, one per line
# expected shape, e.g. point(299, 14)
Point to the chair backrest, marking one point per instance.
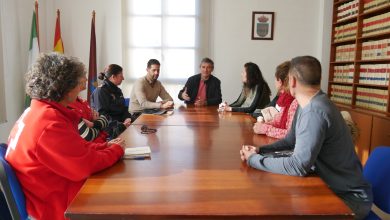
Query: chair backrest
point(377, 172)
point(11, 188)
point(94, 97)
point(127, 102)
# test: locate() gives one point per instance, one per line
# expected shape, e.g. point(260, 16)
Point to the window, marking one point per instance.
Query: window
point(167, 30)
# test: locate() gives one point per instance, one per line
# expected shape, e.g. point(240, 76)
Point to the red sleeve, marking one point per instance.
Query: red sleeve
point(277, 118)
point(67, 154)
point(101, 138)
point(275, 132)
point(291, 113)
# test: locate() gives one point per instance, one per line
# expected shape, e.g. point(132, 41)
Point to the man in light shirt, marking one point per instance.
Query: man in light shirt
point(147, 89)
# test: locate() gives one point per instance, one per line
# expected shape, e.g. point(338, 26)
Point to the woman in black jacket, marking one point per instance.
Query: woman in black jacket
point(108, 100)
point(255, 92)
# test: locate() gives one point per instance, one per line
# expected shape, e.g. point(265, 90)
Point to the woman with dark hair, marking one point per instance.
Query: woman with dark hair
point(50, 158)
point(255, 92)
point(108, 100)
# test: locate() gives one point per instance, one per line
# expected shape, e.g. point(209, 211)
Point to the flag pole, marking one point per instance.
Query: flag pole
point(33, 52)
point(92, 70)
point(37, 21)
point(58, 44)
point(93, 16)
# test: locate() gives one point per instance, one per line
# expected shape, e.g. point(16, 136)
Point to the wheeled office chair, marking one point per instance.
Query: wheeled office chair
point(11, 188)
point(377, 172)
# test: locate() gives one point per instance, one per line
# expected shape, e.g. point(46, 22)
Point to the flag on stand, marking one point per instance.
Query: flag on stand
point(92, 70)
point(58, 45)
point(33, 52)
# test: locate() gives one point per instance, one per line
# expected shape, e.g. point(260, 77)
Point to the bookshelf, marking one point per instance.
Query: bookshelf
point(359, 69)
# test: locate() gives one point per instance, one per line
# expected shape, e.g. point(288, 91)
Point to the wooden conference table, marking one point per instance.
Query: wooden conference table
point(195, 172)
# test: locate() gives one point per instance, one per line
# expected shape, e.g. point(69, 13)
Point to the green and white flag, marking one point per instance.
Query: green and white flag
point(33, 52)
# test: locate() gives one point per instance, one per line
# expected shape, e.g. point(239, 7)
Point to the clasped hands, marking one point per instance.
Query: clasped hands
point(166, 104)
point(127, 122)
point(246, 151)
point(118, 141)
point(94, 116)
point(224, 107)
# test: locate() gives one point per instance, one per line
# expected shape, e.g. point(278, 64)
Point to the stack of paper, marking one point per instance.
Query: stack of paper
point(137, 152)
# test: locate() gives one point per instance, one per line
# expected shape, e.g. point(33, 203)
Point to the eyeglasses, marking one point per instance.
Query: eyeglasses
point(146, 130)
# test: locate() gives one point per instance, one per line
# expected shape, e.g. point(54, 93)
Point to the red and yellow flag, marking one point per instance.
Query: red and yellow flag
point(58, 46)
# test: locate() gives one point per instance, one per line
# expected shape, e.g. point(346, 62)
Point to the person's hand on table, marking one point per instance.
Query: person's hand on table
point(167, 104)
point(127, 122)
point(118, 141)
point(199, 103)
point(246, 151)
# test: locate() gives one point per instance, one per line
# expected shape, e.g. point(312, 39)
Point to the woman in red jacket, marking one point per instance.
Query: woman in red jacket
point(50, 158)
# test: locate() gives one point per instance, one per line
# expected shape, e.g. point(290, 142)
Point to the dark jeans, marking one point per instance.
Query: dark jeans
point(359, 202)
point(4, 211)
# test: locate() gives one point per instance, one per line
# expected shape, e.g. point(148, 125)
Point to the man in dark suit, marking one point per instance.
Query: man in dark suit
point(202, 89)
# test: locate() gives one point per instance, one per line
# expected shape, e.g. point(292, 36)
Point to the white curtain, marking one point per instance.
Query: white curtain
point(176, 32)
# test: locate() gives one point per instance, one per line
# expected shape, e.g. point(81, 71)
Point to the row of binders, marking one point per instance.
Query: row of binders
point(344, 73)
point(370, 98)
point(376, 25)
point(371, 74)
point(375, 74)
point(370, 5)
point(379, 49)
point(347, 10)
point(341, 94)
point(345, 32)
point(345, 52)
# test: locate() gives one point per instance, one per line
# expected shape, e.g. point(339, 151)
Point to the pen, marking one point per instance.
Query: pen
point(138, 158)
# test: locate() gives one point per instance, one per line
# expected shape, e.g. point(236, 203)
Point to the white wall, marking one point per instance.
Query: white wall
point(296, 32)
point(2, 89)
point(75, 27)
point(16, 21)
point(325, 25)
point(301, 27)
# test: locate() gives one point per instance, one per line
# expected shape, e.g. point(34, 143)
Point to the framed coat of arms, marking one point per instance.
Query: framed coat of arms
point(262, 25)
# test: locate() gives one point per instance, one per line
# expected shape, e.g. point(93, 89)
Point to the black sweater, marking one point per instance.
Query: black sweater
point(108, 100)
point(260, 100)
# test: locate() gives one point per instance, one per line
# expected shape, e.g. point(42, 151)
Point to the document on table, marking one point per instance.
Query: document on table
point(137, 152)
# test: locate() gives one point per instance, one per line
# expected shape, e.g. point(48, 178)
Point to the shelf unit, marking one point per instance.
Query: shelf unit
point(360, 63)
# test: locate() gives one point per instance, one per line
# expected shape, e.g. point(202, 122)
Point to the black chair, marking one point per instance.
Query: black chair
point(11, 188)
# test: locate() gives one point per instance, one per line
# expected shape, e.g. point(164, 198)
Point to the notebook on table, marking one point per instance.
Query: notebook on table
point(137, 152)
